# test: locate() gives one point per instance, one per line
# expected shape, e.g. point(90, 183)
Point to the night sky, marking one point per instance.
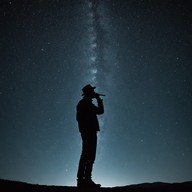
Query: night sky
point(137, 52)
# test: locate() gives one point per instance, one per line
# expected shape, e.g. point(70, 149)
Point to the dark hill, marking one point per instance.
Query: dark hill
point(9, 186)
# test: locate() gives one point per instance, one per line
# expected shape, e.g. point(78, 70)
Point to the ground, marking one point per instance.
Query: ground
point(7, 186)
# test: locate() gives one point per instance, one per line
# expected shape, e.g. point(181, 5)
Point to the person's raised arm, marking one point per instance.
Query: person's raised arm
point(100, 108)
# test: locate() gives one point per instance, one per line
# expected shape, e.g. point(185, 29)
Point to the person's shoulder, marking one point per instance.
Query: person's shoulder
point(81, 102)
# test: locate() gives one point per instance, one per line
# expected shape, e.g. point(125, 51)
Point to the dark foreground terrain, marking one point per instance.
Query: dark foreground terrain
point(14, 186)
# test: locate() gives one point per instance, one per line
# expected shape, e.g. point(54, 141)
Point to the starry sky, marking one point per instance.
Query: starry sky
point(137, 52)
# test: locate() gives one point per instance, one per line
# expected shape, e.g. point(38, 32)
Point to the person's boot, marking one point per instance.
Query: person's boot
point(81, 183)
point(90, 184)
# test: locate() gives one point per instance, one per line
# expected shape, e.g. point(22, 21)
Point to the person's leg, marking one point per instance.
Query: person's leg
point(81, 168)
point(91, 154)
point(83, 160)
point(90, 161)
point(89, 145)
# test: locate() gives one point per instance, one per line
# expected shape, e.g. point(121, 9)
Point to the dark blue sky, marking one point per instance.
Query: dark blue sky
point(138, 53)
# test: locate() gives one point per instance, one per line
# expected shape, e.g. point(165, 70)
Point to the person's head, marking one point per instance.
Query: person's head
point(88, 91)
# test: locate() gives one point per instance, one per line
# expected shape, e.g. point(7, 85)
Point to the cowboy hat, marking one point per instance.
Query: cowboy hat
point(88, 89)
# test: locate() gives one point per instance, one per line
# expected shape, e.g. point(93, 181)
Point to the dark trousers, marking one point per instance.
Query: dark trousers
point(89, 145)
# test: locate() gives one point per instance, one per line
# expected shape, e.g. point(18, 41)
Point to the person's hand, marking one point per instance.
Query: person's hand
point(97, 96)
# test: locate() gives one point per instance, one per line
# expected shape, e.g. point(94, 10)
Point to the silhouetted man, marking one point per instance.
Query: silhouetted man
point(88, 126)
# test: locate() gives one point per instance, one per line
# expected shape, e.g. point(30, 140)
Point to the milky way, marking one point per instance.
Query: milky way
point(97, 33)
